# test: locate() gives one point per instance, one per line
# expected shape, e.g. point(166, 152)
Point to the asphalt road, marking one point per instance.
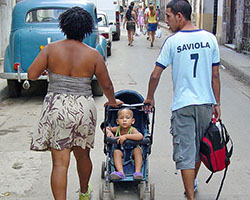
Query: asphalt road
point(24, 175)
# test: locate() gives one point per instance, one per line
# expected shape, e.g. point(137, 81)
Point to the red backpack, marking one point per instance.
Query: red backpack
point(213, 150)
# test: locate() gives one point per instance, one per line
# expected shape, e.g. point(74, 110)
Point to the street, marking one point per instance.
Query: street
point(25, 175)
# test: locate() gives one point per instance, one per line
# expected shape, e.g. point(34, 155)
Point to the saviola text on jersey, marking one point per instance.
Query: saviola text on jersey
point(192, 46)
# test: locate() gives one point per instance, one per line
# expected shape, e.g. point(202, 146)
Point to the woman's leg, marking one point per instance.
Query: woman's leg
point(138, 159)
point(60, 163)
point(152, 38)
point(128, 31)
point(118, 161)
point(84, 167)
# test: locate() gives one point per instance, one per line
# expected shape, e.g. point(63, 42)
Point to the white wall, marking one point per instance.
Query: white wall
point(5, 23)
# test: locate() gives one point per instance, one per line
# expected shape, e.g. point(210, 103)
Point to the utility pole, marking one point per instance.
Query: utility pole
point(215, 16)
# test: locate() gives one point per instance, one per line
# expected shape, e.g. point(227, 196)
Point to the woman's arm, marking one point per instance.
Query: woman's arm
point(39, 65)
point(105, 82)
point(125, 21)
point(135, 18)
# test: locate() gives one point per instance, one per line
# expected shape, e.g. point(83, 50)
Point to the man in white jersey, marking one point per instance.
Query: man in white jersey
point(194, 56)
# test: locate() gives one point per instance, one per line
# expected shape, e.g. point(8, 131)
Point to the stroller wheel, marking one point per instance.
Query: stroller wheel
point(112, 191)
point(152, 191)
point(103, 170)
point(101, 191)
point(141, 189)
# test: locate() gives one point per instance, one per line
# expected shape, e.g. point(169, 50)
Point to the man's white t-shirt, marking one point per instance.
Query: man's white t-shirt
point(192, 54)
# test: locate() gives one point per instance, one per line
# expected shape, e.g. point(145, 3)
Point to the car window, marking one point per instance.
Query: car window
point(43, 15)
point(103, 22)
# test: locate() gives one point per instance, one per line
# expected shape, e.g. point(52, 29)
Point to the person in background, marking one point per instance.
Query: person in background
point(68, 118)
point(146, 11)
point(121, 13)
point(152, 24)
point(196, 83)
point(140, 17)
point(130, 21)
point(158, 11)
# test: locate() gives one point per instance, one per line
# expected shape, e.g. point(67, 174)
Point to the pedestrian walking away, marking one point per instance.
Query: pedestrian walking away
point(68, 119)
point(158, 11)
point(152, 24)
point(194, 57)
point(140, 17)
point(130, 20)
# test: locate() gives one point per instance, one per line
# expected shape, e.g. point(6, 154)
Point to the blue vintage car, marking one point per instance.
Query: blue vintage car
point(34, 25)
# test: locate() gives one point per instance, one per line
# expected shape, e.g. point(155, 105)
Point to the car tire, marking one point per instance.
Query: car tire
point(14, 88)
point(109, 51)
point(116, 36)
point(96, 89)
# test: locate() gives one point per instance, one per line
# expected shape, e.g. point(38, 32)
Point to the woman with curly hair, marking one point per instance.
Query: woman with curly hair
point(68, 119)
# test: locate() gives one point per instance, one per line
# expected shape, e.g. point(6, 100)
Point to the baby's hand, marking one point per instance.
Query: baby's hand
point(121, 139)
point(109, 134)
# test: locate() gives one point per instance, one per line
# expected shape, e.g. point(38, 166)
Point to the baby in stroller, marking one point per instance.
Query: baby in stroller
point(129, 167)
point(122, 132)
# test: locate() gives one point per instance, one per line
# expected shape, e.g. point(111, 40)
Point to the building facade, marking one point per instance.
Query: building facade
point(236, 24)
point(229, 20)
point(5, 22)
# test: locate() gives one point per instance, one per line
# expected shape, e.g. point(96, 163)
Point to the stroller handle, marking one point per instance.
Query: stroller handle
point(144, 141)
point(131, 106)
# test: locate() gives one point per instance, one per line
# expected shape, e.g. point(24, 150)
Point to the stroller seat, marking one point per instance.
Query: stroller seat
point(134, 101)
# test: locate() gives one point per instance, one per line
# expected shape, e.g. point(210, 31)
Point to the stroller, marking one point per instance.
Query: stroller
point(133, 101)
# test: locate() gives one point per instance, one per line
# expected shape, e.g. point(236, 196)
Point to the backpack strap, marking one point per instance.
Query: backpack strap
point(222, 181)
point(209, 178)
point(226, 138)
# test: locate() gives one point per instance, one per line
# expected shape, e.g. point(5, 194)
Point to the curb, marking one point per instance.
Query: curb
point(236, 72)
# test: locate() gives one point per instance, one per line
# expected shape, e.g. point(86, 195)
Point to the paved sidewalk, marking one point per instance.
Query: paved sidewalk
point(237, 63)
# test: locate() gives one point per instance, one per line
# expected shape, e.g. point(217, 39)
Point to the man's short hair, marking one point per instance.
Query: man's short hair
point(182, 6)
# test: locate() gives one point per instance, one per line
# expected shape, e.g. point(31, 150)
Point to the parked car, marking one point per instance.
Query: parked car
point(112, 9)
point(34, 25)
point(105, 29)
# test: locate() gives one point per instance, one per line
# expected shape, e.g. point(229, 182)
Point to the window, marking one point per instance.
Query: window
point(103, 22)
point(44, 15)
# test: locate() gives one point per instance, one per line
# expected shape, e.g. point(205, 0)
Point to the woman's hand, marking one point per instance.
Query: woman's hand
point(115, 104)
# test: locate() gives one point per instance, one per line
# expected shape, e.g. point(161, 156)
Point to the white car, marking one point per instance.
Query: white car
point(105, 30)
point(112, 9)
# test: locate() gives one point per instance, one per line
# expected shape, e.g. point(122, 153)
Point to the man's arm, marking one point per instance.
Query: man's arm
point(153, 83)
point(216, 90)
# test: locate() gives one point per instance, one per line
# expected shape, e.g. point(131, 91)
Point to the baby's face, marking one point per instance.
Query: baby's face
point(125, 118)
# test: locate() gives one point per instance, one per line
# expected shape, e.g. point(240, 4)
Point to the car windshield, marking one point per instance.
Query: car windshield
point(44, 15)
point(103, 22)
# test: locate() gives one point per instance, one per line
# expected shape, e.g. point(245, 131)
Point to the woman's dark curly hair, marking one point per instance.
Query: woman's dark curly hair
point(76, 23)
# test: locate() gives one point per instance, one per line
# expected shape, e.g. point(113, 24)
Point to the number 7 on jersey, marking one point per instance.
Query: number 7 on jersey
point(194, 57)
